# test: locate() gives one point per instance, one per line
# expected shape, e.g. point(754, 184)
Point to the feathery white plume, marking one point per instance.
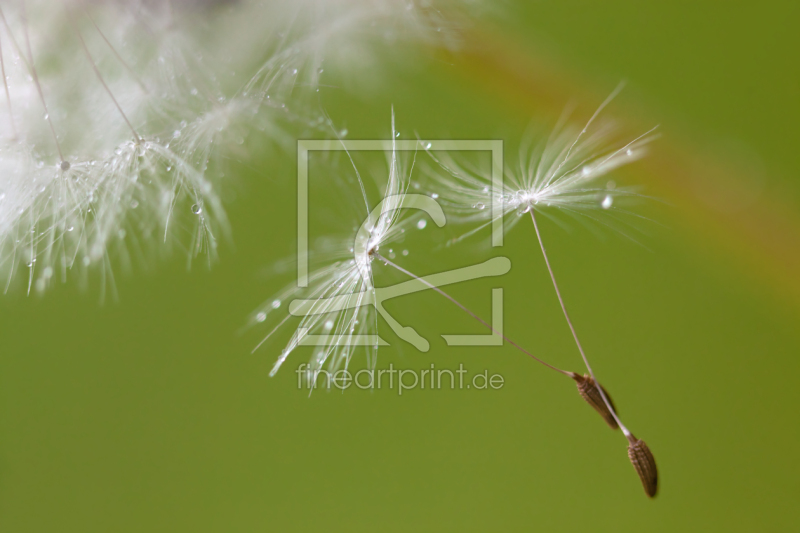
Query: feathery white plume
point(113, 111)
point(339, 300)
point(561, 173)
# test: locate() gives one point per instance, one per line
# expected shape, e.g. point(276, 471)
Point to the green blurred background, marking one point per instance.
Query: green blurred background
point(150, 414)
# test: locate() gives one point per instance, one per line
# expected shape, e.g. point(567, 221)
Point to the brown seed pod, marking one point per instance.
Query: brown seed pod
point(645, 464)
point(589, 391)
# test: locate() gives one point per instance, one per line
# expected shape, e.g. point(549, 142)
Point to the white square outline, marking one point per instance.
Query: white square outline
point(304, 146)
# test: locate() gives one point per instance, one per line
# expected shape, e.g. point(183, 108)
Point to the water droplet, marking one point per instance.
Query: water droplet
point(65, 165)
point(261, 317)
point(294, 71)
point(434, 196)
point(479, 205)
point(328, 325)
point(607, 201)
point(196, 209)
point(422, 223)
point(611, 185)
point(48, 271)
point(629, 152)
point(397, 134)
point(31, 263)
point(428, 146)
point(134, 204)
point(176, 134)
point(405, 252)
point(586, 170)
point(276, 304)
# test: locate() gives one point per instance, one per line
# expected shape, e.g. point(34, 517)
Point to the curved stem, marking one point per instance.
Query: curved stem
point(572, 328)
point(100, 77)
point(117, 54)
point(35, 77)
point(8, 95)
point(470, 313)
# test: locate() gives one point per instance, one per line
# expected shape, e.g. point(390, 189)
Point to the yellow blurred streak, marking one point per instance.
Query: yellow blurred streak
point(717, 201)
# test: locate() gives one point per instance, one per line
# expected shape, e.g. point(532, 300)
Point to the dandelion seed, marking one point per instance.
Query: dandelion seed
point(559, 175)
point(335, 301)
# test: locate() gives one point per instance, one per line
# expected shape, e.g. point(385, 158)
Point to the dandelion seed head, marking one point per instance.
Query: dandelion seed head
point(560, 174)
point(138, 109)
point(336, 305)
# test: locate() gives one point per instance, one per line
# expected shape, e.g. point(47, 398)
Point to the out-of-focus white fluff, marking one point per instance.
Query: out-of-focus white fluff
point(190, 77)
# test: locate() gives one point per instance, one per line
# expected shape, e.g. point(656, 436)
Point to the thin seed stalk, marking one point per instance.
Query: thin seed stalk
point(599, 388)
point(470, 313)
